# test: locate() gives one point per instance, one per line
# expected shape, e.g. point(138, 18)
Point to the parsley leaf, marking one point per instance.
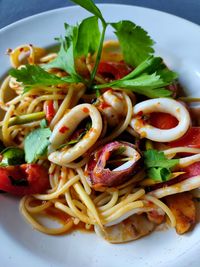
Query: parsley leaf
point(12, 156)
point(43, 123)
point(34, 76)
point(88, 37)
point(36, 143)
point(149, 79)
point(91, 7)
point(158, 166)
point(159, 174)
point(65, 57)
point(134, 41)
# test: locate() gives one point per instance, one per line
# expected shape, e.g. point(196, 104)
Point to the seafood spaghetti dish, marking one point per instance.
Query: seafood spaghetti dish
point(98, 134)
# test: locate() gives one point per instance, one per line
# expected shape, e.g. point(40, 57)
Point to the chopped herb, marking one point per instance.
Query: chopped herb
point(43, 123)
point(12, 156)
point(158, 166)
point(36, 144)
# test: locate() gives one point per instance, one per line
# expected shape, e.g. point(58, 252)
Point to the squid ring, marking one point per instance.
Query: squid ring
point(66, 127)
point(166, 105)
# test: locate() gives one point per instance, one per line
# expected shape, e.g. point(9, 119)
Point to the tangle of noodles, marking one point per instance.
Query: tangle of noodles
point(71, 198)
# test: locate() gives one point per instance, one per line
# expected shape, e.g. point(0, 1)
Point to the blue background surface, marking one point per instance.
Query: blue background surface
point(13, 10)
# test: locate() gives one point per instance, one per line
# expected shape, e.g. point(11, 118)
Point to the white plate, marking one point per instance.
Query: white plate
point(178, 41)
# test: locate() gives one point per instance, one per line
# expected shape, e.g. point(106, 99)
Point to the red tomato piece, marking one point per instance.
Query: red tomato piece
point(116, 69)
point(49, 110)
point(190, 139)
point(163, 120)
point(191, 170)
point(23, 180)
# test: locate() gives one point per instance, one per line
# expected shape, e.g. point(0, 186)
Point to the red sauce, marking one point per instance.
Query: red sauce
point(63, 129)
point(21, 49)
point(63, 218)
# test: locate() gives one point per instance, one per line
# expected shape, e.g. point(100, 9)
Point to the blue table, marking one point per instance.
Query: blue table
point(13, 10)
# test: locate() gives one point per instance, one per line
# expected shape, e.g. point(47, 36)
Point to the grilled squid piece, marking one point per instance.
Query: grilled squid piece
point(102, 176)
point(165, 105)
point(112, 106)
point(183, 207)
point(130, 229)
point(66, 127)
point(183, 186)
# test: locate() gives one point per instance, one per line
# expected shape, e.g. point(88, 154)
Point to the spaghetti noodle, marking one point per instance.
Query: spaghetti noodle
point(96, 173)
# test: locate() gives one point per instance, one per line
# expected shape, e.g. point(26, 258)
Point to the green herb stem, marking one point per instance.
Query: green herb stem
point(26, 118)
point(98, 53)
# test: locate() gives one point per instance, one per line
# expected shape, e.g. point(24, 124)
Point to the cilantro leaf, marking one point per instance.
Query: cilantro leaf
point(146, 85)
point(91, 7)
point(154, 158)
point(36, 143)
point(149, 79)
point(12, 156)
point(34, 76)
point(159, 174)
point(65, 57)
point(88, 37)
point(43, 123)
point(134, 41)
point(158, 166)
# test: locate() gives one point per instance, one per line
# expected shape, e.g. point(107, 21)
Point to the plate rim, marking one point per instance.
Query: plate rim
point(22, 20)
point(39, 15)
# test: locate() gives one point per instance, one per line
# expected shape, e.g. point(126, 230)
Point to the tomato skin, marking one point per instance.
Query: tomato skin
point(163, 120)
point(117, 69)
point(190, 139)
point(24, 180)
point(49, 110)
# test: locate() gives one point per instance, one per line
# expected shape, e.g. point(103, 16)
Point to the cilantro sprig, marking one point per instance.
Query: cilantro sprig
point(158, 167)
point(34, 76)
point(149, 77)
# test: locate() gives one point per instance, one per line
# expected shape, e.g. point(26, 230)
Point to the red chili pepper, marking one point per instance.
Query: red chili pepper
point(162, 120)
point(116, 69)
point(190, 139)
point(23, 180)
point(63, 129)
point(49, 110)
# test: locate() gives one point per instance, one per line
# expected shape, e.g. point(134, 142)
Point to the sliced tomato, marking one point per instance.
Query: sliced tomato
point(116, 70)
point(162, 120)
point(23, 180)
point(190, 139)
point(49, 110)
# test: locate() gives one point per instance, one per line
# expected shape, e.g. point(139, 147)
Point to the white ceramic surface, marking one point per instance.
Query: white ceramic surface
point(178, 41)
